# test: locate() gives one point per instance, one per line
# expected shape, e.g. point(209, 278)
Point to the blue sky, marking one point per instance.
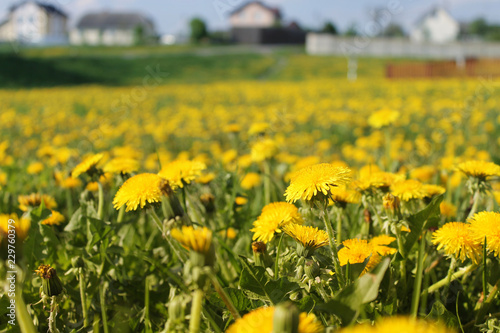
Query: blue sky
point(171, 16)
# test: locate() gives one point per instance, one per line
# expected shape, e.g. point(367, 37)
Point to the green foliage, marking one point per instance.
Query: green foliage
point(198, 30)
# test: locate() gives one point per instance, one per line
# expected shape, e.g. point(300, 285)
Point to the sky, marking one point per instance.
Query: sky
point(172, 16)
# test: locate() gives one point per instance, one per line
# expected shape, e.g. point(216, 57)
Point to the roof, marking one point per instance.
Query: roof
point(51, 9)
point(106, 20)
point(275, 11)
point(433, 11)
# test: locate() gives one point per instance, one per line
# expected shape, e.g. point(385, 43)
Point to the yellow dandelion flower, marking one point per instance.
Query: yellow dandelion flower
point(487, 224)
point(448, 209)
point(232, 128)
point(408, 189)
point(22, 225)
point(399, 325)
point(34, 200)
point(240, 201)
point(261, 321)
point(258, 128)
point(273, 218)
point(479, 169)
point(140, 190)
point(423, 173)
point(313, 181)
point(309, 237)
point(354, 251)
point(432, 190)
point(264, 150)
point(342, 196)
point(182, 172)
point(92, 187)
point(371, 177)
point(55, 218)
point(121, 165)
point(86, 165)
point(379, 245)
point(198, 240)
point(251, 180)
point(206, 178)
point(230, 233)
point(457, 240)
point(35, 168)
point(383, 118)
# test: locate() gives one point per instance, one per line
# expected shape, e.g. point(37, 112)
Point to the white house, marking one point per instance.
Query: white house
point(254, 14)
point(120, 29)
point(34, 22)
point(436, 26)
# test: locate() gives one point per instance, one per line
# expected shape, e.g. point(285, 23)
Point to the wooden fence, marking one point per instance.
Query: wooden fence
point(444, 69)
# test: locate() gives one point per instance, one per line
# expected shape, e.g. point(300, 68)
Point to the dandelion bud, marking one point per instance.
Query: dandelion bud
point(51, 284)
point(176, 309)
point(391, 202)
point(311, 268)
point(367, 216)
point(260, 255)
point(208, 201)
point(286, 318)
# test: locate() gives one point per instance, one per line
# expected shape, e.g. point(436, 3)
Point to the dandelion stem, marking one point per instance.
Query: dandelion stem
point(486, 304)
point(453, 264)
point(159, 223)
point(339, 224)
point(454, 276)
point(102, 298)
point(100, 207)
point(333, 247)
point(225, 298)
point(147, 321)
point(196, 306)
point(276, 263)
point(267, 183)
point(121, 214)
point(69, 202)
point(476, 199)
point(53, 315)
point(83, 297)
point(485, 271)
point(23, 317)
point(417, 286)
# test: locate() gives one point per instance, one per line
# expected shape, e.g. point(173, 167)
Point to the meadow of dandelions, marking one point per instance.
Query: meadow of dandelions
point(280, 207)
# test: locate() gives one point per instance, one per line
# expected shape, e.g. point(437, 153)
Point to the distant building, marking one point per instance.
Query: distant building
point(436, 26)
point(34, 22)
point(113, 29)
point(255, 14)
point(257, 23)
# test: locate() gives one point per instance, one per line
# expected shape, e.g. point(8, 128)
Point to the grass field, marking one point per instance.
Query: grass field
point(216, 189)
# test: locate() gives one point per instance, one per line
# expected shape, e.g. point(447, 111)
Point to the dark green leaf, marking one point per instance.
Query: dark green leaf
point(420, 221)
point(441, 314)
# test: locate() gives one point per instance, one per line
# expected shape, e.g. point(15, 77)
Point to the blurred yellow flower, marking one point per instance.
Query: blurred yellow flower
point(140, 190)
point(121, 165)
point(35, 168)
point(181, 172)
point(457, 240)
point(251, 180)
point(408, 189)
point(198, 240)
point(263, 150)
point(399, 325)
point(487, 224)
point(86, 165)
point(479, 169)
point(316, 180)
point(383, 118)
point(22, 226)
point(55, 218)
point(273, 218)
point(34, 200)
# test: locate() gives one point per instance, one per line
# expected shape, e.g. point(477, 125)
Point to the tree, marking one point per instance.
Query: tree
point(198, 30)
point(393, 30)
point(352, 31)
point(329, 28)
point(479, 27)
